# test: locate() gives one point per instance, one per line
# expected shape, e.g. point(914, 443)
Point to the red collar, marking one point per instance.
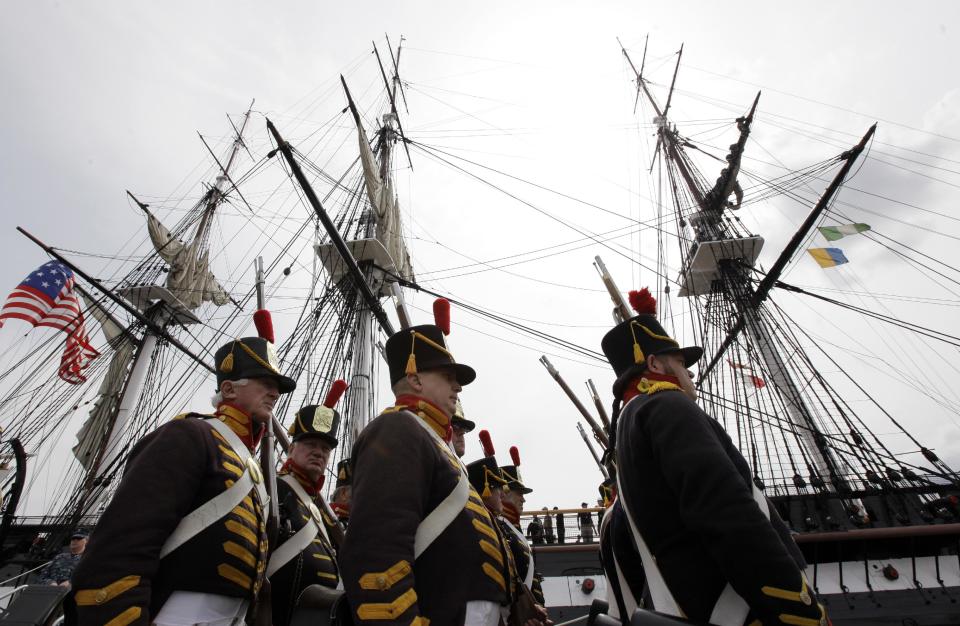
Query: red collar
point(240, 423)
point(633, 387)
point(429, 412)
point(312, 488)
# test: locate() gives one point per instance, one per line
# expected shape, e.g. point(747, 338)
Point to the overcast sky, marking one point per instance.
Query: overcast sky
point(109, 96)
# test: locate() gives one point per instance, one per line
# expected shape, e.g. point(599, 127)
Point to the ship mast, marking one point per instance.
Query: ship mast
point(163, 307)
point(721, 258)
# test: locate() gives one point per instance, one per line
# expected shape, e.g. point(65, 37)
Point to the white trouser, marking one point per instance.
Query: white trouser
point(482, 613)
point(191, 608)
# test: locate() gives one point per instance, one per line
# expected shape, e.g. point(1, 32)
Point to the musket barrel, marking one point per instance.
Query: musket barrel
point(599, 404)
point(598, 432)
point(620, 309)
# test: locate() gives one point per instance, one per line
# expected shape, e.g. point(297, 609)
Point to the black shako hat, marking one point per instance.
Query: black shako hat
point(422, 348)
point(459, 421)
point(628, 344)
point(321, 421)
point(511, 473)
point(485, 476)
point(250, 357)
point(344, 474)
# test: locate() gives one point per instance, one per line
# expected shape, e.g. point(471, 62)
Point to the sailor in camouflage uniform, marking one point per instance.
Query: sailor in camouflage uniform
point(421, 548)
point(154, 559)
point(59, 570)
point(712, 548)
point(305, 554)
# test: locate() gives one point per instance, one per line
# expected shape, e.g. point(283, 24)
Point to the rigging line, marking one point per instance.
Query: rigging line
point(513, 343)
point(539, 258)
point(592, 236)
point(735, 106)
point(569, 345)
point(921, 330)
point(512, 256)
point(851, 379)
point(531, 183)
point(904, 255)
point(826, 104)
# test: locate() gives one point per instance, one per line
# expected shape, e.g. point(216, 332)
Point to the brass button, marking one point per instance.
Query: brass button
point(101, 597)
point(255, 473)
point(382, 582)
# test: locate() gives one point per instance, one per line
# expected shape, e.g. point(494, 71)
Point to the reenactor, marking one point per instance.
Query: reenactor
point(342, 492)
point(712, 548)
point(461, 426)
point(305, 553)
point(184, 539)
point(513, 499)
point(413, 511)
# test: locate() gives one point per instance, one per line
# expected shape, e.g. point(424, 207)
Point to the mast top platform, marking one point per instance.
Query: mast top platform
point(706, 258)
point(369, 251)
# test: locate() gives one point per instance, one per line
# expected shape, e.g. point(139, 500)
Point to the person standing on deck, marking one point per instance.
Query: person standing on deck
point(59, 570)
point(548, 526)
point(153, 559)
point(712, 548)
point(585, 525)
point(407, 479)
point(305, 554)
point(561, 531)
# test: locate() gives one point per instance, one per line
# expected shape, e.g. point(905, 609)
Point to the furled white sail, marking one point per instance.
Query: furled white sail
point(94, 430)
point(384, 201)
point(190, 278)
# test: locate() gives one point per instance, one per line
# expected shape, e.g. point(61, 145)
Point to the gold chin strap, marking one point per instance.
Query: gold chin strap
point(412, 359)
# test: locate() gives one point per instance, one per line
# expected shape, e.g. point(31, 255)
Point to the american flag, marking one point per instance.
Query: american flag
point(46, 298)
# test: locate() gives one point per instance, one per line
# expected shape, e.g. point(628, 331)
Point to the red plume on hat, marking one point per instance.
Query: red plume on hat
point(515, 455)
point(441, 314)
point(642, 302)
point(264, 324)
point(336, 390)
point(487, 443)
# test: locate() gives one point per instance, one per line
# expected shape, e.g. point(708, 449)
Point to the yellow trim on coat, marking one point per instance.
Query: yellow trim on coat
point(91, 597)
point(387, 610)
point(129, 616)
point(245, 514)
point(233, 469)
point(491, 551)
point(235, 549)
point(486, 530)
point(492, 572)
point(239, 529)
point(230, 453)
point(235, 576)
point(384, 580)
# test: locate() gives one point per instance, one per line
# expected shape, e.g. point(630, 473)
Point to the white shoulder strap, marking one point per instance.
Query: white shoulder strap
point(730, 609)
point(441, 517)
point(528, 579)
point(289, 549)
point(215, 509)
